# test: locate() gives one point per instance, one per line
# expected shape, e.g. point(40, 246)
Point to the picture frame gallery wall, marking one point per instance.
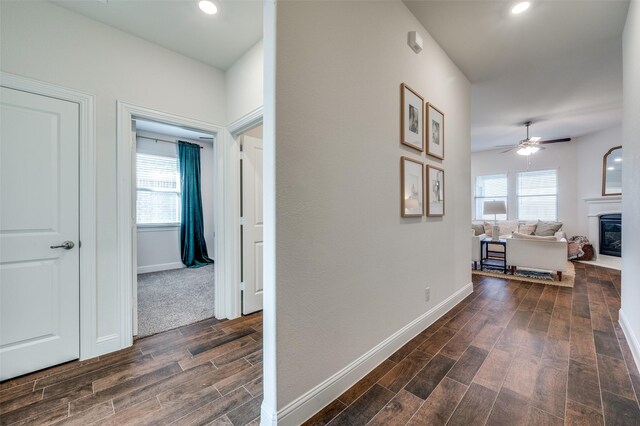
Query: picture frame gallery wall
point(422, 129)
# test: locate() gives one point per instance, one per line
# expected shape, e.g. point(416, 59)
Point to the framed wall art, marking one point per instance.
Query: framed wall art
point(411, 118)
point(435, 132)
point(435, 191)
point(411, 187)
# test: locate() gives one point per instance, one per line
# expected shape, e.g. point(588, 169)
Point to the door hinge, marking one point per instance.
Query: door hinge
point(242, 286)
point(242, 221)
point(241, 155)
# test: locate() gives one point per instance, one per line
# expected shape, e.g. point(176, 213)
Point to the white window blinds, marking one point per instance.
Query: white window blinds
point(490, 188)
point(538, 195)
point(158, 190)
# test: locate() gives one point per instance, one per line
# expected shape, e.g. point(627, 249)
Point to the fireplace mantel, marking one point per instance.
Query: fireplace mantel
point(596, 207)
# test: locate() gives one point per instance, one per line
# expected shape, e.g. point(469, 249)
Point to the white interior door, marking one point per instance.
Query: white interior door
point(252, 243)
point(39, 285)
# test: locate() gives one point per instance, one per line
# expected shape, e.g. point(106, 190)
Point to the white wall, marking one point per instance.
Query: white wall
point(590, 151)
point(630, 312)
point(350, 272)
point(48, 43)
point(579, 165)
point(244, 83)
point(158, 248)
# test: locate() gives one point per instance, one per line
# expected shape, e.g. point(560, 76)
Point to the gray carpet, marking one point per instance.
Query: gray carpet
point(174, 298)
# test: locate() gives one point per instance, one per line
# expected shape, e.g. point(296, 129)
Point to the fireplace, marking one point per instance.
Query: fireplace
point(611, 234)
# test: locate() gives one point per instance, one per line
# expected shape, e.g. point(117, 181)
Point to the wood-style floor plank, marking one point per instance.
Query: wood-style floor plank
point(437, 409)
point(475, 406)
point(509, 409)
point(430, 376)
point(398, 411)
point(364, 408)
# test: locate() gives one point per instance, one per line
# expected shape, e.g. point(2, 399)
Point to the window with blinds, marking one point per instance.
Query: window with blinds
point(538, 195)
point(490, 188)
point(158, 190)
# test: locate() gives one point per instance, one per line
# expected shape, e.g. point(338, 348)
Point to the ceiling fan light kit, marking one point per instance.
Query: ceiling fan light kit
point(527, 150)
point(531, 145)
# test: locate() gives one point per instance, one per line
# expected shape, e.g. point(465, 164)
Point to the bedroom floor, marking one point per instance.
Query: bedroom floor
point(171, 299)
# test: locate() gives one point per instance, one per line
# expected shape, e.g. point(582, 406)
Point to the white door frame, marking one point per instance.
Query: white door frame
point(235, 130)
point(226, 254)
point(89, 345)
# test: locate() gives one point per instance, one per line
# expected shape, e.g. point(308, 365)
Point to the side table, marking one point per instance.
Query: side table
point(491, 257)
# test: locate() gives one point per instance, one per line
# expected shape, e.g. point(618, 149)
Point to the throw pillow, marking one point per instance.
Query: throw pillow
point(508, 227)
point(546, 229)
point(527, 228)
point(478, 228)
point(487, 229)
point(519, 236)
point(574, 249)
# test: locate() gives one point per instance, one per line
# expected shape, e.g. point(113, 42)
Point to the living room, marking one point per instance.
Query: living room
point(563, 184)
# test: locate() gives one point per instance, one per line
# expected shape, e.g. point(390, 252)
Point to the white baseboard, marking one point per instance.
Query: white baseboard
point(632, 339)
point(317, 398)
point(160, 267)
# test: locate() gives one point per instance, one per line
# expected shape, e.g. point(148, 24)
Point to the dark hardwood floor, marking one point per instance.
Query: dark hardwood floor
point(512, 353)
point(208, 372)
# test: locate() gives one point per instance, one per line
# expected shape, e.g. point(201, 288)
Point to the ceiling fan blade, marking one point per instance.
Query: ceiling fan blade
point(554, 141)
point(504, 146)
point(507, 150)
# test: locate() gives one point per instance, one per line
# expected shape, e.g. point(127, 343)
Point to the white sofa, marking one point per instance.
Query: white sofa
point(536, 253)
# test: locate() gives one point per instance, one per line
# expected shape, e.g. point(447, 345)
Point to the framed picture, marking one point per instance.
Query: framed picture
point(435, 132)
point(411, 187)
point(411, 113)
point(435, 191)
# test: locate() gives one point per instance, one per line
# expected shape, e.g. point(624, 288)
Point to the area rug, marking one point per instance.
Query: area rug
point(171, 299)
point(533, 276)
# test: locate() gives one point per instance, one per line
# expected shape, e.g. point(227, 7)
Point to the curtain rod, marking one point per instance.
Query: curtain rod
point(164, 140)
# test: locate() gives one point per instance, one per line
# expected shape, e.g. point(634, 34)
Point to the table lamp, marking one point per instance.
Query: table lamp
point(495, 208)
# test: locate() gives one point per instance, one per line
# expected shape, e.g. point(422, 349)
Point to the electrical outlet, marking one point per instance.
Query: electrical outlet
point(427, 294)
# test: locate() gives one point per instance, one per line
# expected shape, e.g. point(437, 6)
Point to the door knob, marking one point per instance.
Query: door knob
point(67, 245)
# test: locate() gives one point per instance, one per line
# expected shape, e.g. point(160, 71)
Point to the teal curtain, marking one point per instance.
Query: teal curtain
point(192, 244)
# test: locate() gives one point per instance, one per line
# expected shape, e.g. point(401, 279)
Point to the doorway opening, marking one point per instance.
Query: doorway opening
point(174, 220)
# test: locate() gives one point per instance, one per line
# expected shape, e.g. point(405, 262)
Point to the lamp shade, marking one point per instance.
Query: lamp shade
point(494, 207)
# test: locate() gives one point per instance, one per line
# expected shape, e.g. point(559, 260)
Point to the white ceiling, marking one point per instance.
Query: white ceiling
point(218, 40)
point(559, 64)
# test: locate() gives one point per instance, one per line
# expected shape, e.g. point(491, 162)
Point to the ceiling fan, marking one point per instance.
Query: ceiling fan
point(530, 145)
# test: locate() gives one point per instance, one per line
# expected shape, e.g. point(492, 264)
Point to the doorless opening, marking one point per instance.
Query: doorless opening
point(127, 201)
point(172, 290)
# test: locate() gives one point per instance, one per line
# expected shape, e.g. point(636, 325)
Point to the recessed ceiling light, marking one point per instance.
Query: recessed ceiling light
point(520, 7)
point(208, 7)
